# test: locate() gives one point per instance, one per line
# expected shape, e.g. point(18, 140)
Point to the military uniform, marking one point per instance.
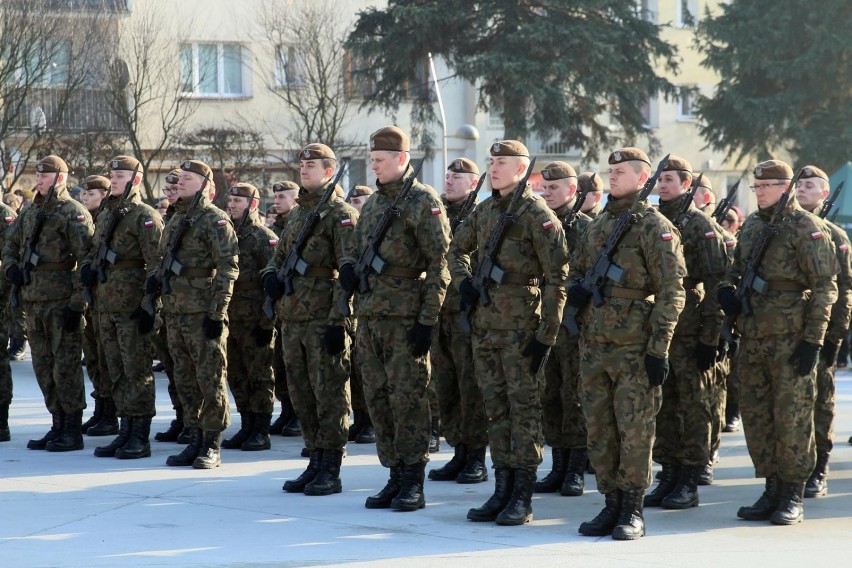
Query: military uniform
point(5, 369)
point(583, 181)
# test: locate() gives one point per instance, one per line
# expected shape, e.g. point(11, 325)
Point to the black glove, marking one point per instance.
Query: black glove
point(144, 321)
point(212, 328)
point(420, 338)
point(733, 348)
point(828, 353)
point(71, 320)
point(347, 278)
point(705, 356)
point(334, 339)
point(469, 293)
point(728, 301)
point(657, 369)
point(262, 336)
point(88, 276)
point(15, 276)
point(804, 358)
point(539, 353)
point(152, 284)
point(578, 296)
point(271, 285)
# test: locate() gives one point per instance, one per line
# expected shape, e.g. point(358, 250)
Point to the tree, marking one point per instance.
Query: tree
point(552, 67)
point(786, 80)
point(89, 153)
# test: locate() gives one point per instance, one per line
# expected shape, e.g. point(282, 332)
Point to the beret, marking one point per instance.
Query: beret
point(585, 178)
point(509, 148)
point(316, 152)
point(558, 170)
point(812, 172)
point(173, 176)
point(391, 139)
point(773, 169)
point(285, 186)
point(463, 166)
point(96, 182)
point(361, 190)
point(629, 154)
point(197, 167)
point(51, 164)
point(124, 163)
point(244, 190)
point(678, 164)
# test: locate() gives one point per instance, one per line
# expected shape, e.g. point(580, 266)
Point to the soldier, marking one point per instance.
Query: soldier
point(251, 334)
point(460, 401)
point(514, 332)
point(396, 315)
point(360, 196)
point(563, 422)
point(812, 190)
point(9, 216)
point(625, 341)
point(688, 412)
point(17, 327)
point(53, 299)
point(704, 198)
point(781, 341)
point(592, 203)
point(195, 310)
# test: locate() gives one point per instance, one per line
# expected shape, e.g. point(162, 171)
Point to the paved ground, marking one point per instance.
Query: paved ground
point(75, 510)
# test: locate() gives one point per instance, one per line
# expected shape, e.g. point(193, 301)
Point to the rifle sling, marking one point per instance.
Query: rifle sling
point(785, 286)
point(627, 293)
point(517, 279)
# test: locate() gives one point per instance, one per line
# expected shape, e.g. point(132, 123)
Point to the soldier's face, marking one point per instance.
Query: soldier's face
point(313, 175)
point(388, 166)
point(624, 180)
point(592, 198)
point(188, 184)
point(45, 179)
point(237, 204)
point(810, 192)
point(459, 185)
point(506, 172)
point(670, 186)
point(285, 200)
point(558, 192)
point(768, 191)
point(171, 193)
point(701, 197)
point(91, 199)
point(358, 201)
point(118, 181)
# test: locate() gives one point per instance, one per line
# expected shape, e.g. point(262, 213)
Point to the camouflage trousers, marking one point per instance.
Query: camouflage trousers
point(279, 370)
point(250, 369)
point(127, 354)
point(17, 323)
point(160, 343)
point(562, 416)
point(395, 388)
point(356, 385)
point(95, 364)
point(685, 419)
point(200, 372)
point(719, 402)
point(5, 366)
point(56, 357)
point(512, 397)
point(824, 408)
point(777, 409)
point(620, 408)
point(460, 403)
point(320, 395)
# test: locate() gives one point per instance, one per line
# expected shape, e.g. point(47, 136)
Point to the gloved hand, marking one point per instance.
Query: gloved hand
point(469, 293)
point(15, 275)
point(420, 338)
point(262, 336)
point(212, 328)
point(144, 322)
point(657, 369)
point(88, 276)
point(346, 277)
point(705, 356)
point(271, 286)
point(334, 339)
point(728, 301)
point(152, 284)
point(71, 320)
point(539, 353)
point(578, 296)
point(804, 358)
point(828, 353)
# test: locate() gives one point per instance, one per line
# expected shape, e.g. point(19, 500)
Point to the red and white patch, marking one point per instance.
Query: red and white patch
point(667, 236)
point(9, 219)
point(709, 235)
point(547, 225)
point(816, 235)
point(844, 247)
point(149, 223)
point(346, 222)
point(222, 222)
point(436, 211)
point(273, 243)
point(81, 218)
point(729, 243)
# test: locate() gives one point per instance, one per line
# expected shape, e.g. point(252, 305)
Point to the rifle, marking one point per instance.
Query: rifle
point(750, 280)
point(726, 204)
point(370, 259)
point(30, 258)
point(604, 268)
point(467, 206)
point(105, 256)
point(170, 264)
point(489, 270)
point(680, 219)
point(829, 205)
point(349, 194)
point(580, 198)
point(294, 263)
point(833, 217)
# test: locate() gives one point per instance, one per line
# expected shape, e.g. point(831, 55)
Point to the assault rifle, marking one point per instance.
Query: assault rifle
point(349, 194)
point(726, 204)
point(680, 219)
point(604, 268)
point(829, 205)
point(370, 259)
point(568, 222)
point(30, 258)
point(467, 206)
point(489, 270)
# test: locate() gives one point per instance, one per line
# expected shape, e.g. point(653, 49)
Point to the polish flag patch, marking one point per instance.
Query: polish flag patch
point(547, 225)
point(667, 236)
point(273, 243)
point(816, 235)
point(729, 243)
point(222, 222)
point(709, 235)
point(844, 247)
point(436, 211)
point(81, 218)
point(348, 222)
point(149, 223)
point(9, 219)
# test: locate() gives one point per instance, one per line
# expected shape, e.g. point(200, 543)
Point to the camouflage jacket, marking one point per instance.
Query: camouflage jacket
point(9, 217)
point(707, 261)
point(66, 238)
point(594, 211)
point(257, 244)
point(452, 302)
point(534, 247)
point(801, 252)
point(209, 243)
point(315, 298)
point(416, 240)
point(650, 255)
point(136, 243)
point(281, 222)
point(574, 233)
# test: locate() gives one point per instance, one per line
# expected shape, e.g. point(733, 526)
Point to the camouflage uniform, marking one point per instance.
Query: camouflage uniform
point(594, 211)
point(5, 369)
point(279, 370)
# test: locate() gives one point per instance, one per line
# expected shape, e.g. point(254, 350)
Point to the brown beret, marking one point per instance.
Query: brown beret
point(706, 183)
point(96, 182)
point(390, 138)
point(124, 163)
point(51, 165)
point(197, 167)
point(271, 210)
point(629, 154)
point(173, 176)
point(678, 164)
point(812, 172)
point(585, 178)
point(244, 190)
point(361, 190)
point(285, 186)
point(316, 152)
point(509, 148)
point(558, 170)
point(773, 169)
point(463, 166)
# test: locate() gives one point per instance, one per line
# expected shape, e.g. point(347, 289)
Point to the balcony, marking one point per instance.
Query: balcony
point(86, 110)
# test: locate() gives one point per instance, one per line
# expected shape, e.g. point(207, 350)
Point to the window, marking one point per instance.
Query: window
point(361, 76)
point(212, 69)
point(686, 102)
point(39, 65)
point(289, 70)
point(647, 10)
point(687, 13)
point(649, 112)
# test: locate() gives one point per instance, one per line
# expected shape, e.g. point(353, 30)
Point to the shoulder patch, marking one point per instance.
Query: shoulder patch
point(436, 211)
point(81, 218)
point(9, 219)
point(347, 222)
point(667, 236)
point(273, 242)
point(709, 235)
point(547, 225)
point(149, 223)
point(816, 235)
point(729, 243)
point(844, 247)
point(222, 222)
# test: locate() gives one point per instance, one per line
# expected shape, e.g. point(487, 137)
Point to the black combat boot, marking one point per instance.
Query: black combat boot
point(138, 445)
point(765, 505)
point(109, 450)
point(631, 523)
point(283, 418)
point(474, 468)
point(575, 481)
point(54, 432)
point(668, 479)
point(327, 480)
point(504, 482)
point(817, 485)
point(108, 424)
point(293, 428)
point(175, 428)
point(17, 349)
point(366, 434)
point(235, 442)
point(189, 453)
point(552, 482)
point(705, 474)
point(411, 496)
point(790, 509)
point(298, 485)
point(186, 435)
point(357, 424)
point(450, 470)
point(435, 436)
point(210, 455)
point(96, 415)
point(5, 434)
point(685, 493)
point(71, 438)
point(605, 521)
point(382, 499)
point(518, 510)
point(259, 438)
